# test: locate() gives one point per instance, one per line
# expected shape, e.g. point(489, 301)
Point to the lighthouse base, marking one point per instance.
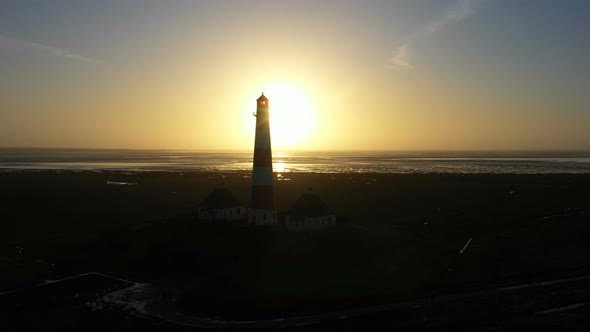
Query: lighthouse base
point(262, 217)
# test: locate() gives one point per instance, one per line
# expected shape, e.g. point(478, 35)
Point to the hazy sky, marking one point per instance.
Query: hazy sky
point(385, 75)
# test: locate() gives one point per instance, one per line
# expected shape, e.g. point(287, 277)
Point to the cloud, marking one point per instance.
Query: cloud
point(17, 44)
point(401, 56)
point(460, 10)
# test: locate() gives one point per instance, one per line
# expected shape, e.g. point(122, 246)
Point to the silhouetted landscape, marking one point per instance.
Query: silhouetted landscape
point(398, 239)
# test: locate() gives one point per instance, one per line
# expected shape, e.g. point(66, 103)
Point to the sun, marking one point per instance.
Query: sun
point(292, 115)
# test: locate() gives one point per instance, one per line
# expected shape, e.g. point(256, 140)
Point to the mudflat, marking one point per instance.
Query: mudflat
point(45, 204)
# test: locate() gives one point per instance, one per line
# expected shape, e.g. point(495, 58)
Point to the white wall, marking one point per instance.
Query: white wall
point(227, 214)
point(262, 217)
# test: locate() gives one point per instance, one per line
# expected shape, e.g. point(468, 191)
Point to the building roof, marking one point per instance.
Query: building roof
point(310, 205)
point(220, 198)
point(262, 97)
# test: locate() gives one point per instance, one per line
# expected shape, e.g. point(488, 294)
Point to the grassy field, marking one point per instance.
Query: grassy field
point(401, 239)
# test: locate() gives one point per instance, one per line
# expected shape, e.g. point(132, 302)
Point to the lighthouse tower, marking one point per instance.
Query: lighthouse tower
point(262, 211)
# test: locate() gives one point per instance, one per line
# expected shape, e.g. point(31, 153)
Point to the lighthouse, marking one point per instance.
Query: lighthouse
point(262, 211)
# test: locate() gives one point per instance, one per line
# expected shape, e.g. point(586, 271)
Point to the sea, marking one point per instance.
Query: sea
point(458, 162)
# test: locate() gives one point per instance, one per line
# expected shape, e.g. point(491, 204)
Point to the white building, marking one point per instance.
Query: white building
point(309, 213)
point(222, 205)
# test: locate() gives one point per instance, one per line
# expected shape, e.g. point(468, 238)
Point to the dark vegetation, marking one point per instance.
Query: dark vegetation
point(401, 241)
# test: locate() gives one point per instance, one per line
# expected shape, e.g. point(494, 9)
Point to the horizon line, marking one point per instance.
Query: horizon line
point(295, 150)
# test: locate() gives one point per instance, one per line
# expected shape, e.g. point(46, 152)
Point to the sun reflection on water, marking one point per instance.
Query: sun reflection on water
point(279, 167)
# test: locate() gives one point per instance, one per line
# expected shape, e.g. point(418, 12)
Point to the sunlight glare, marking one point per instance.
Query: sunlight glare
point(279, 167)
point(292, 115)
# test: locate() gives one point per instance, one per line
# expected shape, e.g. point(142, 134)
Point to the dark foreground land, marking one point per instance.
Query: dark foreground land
point(400, 239)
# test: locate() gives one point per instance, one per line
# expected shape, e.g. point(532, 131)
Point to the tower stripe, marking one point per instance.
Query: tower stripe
point(262, 157)
point(262, 176)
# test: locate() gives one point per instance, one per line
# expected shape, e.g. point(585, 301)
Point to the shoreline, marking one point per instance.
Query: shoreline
point(233, 171)
point(408, 162)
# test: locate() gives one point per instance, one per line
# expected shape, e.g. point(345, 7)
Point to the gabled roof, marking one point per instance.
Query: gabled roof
point(262, 97)
point(220, 198)
point(310, 205)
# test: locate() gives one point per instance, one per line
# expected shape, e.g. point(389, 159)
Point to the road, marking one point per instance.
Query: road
point(153, 309)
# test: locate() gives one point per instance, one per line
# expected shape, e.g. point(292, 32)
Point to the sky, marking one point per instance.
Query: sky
point(346, 75)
